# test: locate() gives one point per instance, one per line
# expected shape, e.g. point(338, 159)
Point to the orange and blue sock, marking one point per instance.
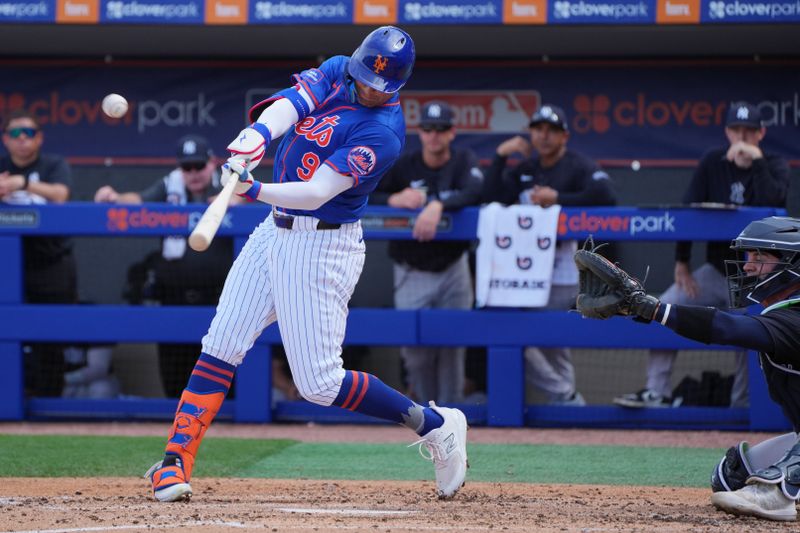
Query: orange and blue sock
point(366, 394)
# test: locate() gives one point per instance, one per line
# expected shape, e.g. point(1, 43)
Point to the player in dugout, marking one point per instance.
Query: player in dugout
point(761, 480)
point(30, 177)
point(343, 128)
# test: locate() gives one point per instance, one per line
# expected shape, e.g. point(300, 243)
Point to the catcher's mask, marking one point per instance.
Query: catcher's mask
point(776, 236)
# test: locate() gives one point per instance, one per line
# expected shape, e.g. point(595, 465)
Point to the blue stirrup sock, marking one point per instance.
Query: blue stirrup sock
point(366, 394)
point(211, 375)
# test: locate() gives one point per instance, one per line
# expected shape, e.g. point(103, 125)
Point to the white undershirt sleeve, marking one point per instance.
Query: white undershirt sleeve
point(281, 115)
point(307, 195)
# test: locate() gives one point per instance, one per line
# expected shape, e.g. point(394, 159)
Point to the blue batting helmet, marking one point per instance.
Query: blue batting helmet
point(384, 59)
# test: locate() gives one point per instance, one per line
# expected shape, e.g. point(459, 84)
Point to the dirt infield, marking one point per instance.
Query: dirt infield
point(102, 504)
point(124, 504)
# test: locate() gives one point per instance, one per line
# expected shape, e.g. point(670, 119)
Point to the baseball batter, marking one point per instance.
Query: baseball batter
point(344, 129)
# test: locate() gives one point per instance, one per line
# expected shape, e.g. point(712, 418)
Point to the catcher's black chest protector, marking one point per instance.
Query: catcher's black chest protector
point(782, 367)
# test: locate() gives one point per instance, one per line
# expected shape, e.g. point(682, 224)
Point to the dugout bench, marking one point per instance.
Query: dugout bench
point(504, 333)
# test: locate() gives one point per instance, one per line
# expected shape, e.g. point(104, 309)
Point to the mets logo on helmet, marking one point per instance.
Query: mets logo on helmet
point(380, 64)
point(361, 160)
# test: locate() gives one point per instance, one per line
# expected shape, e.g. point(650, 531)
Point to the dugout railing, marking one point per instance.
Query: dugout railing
point(504, 333)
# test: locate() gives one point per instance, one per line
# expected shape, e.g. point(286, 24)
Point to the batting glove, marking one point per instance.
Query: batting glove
point(250, 145)
point(247, 187)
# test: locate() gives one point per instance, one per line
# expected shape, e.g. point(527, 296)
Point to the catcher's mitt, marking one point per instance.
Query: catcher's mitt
point(607, 290)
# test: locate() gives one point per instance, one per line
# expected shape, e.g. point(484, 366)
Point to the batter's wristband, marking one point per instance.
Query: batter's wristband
point(264, 131)
point(252, 192)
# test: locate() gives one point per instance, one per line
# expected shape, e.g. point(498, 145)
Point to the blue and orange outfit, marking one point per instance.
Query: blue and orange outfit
point(352, 139)
point(358, 141)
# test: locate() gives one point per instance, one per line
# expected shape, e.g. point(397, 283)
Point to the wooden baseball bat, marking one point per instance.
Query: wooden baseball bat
point(207, 227)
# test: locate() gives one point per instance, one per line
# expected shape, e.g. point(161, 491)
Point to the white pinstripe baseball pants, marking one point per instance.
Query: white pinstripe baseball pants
point(303, 278)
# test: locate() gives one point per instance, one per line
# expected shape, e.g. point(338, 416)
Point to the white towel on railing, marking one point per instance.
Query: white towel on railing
point(515, 255)
point(174, 246)
point(564, 270)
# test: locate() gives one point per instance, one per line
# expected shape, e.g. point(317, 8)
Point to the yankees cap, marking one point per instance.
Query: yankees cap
point(436, 113)
point(552, 115)
point(193, 149)
point(744, 114)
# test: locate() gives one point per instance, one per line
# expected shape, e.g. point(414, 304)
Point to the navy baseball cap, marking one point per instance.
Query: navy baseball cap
point(552, 115)
point(744, 114)
point(436, 113)
point(193, 149)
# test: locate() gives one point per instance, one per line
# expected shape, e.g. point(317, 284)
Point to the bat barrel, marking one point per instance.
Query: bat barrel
point(209, 223)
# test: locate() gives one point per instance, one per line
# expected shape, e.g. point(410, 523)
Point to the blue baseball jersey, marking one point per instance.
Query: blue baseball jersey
point(354, 140)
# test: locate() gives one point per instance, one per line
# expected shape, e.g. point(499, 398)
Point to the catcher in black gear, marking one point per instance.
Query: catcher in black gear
point(761, 480)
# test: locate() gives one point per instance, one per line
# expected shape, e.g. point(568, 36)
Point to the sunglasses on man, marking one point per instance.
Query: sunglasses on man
point(189, 167)
point(16, 133)
point(439, 128)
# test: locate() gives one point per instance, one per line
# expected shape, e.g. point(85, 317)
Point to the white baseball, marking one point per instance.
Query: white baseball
point(115, 106)
point(635, 165)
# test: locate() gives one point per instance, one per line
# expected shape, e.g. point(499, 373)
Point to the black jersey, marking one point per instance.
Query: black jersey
point(764, 184)
point(48, 168)
point(157, 192)
point(578, 180)
point(782, 321)
point(194, 278)
point(782, 367)
point(457, 184)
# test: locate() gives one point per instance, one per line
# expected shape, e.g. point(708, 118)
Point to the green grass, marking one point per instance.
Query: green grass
point(83, 456)
point(57, 455)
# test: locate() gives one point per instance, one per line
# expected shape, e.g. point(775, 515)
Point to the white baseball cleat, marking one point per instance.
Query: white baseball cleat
point(759, 499)
point(447, 448)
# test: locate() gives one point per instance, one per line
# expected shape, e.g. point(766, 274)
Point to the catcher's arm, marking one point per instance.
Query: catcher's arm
point(607, 290)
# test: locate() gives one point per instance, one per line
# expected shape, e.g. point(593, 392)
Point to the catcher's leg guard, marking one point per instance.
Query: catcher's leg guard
point(733, 470)
point(785, 473)
point(742, 460)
